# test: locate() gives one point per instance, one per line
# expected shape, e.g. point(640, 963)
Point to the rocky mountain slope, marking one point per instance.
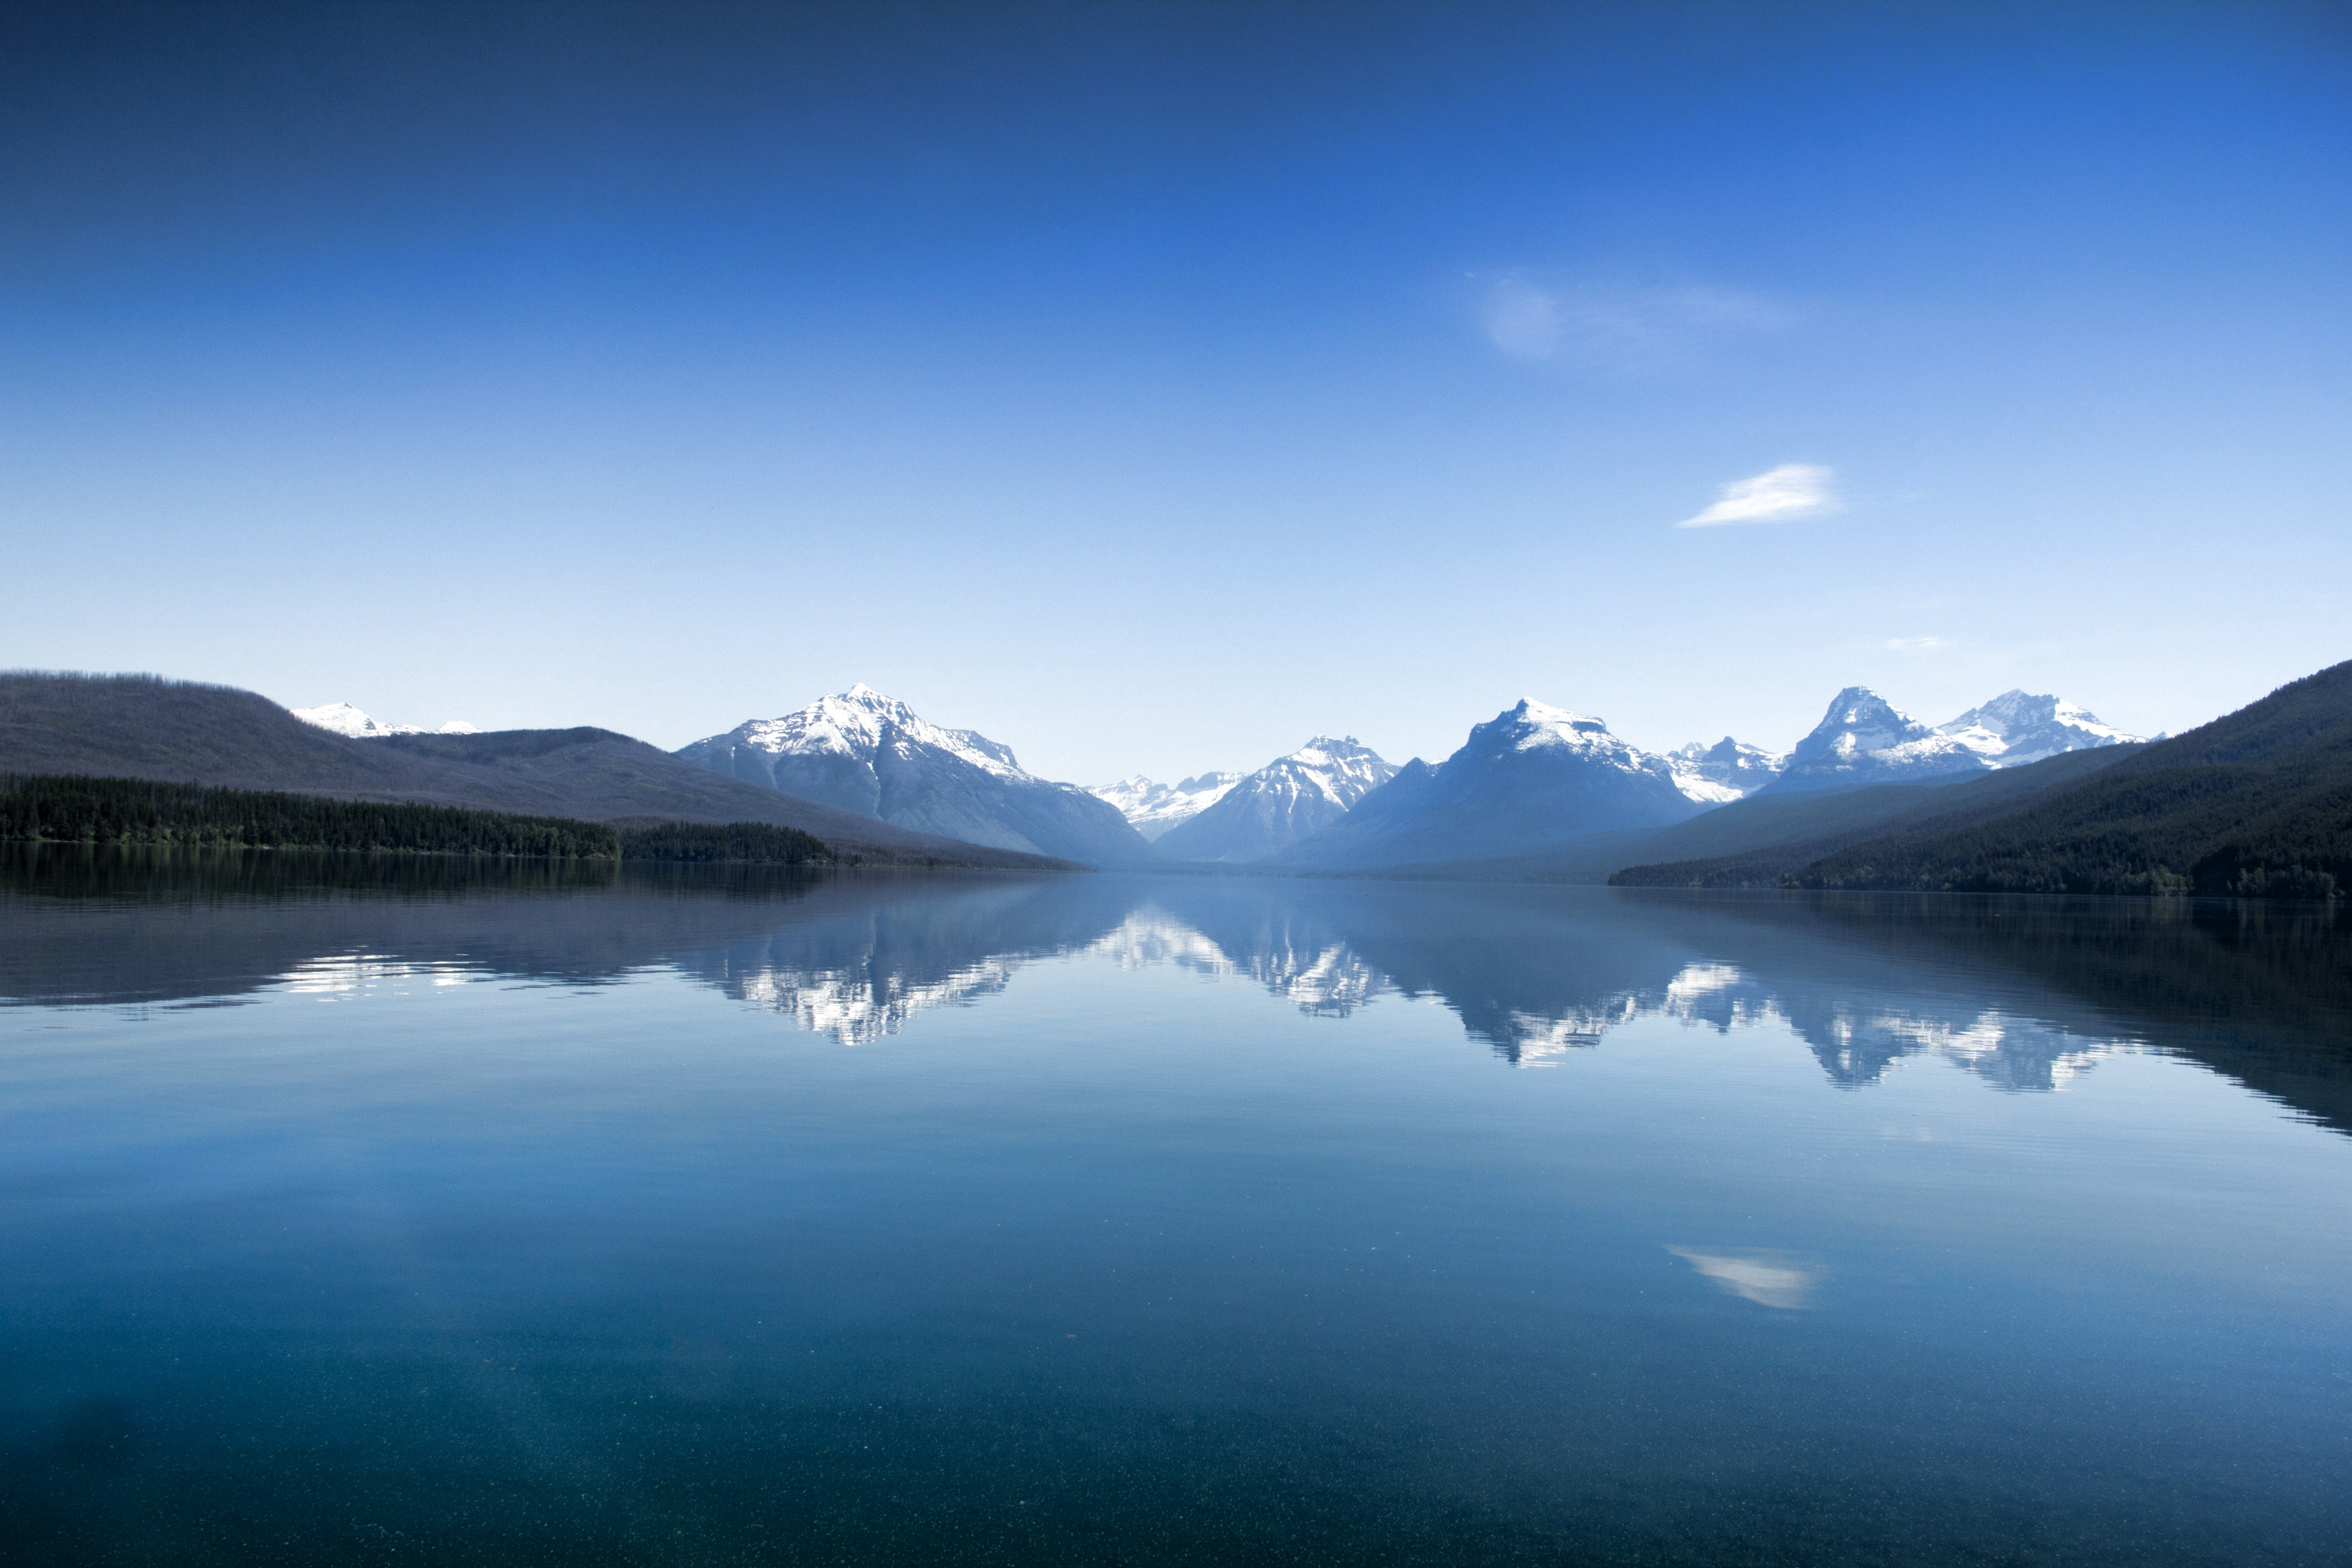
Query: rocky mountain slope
point(861, 751)
point(1289, 800)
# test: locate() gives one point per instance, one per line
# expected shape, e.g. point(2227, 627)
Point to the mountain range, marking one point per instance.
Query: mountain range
point(2022, 791)
point(1151, 809)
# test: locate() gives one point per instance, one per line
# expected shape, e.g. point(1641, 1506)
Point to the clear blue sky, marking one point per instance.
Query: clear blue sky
point(1152, 388)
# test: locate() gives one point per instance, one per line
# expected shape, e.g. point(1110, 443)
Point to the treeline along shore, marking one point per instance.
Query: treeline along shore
point(79, 809)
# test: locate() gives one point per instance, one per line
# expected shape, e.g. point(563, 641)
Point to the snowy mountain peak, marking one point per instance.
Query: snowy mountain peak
point(1860, 720)
point(1540, 723)
point(2017, 727)
point(1865, 739)
point(1289, 798)
point(342, 718)
point(860, 723)
point(865, 752)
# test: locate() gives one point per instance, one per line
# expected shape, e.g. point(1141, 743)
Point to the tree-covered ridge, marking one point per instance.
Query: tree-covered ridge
point(78, 808)
point(757, 843)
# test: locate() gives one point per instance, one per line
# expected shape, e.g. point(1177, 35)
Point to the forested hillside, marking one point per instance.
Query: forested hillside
point(1757, 842)
point(71, 809)
point(81, 809)
point(752, 843)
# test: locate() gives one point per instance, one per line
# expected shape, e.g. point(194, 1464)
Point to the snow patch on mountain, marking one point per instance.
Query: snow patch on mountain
point(1151, 808)
point(342, 718)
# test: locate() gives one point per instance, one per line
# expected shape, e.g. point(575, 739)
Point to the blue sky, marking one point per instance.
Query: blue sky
point(1152, 388)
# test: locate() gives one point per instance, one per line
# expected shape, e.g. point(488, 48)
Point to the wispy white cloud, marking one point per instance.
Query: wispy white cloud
point(1914, 644)
point(1610, 327)
point(1767, 1279)
point(1775, 496)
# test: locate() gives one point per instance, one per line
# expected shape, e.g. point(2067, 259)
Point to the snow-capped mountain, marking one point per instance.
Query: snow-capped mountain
point(2016, 727)
point(1531, 776)
point(1729, 765)
point(1865, 739)
point(344, 719)
point(1151, 809)
point(868, 753)
point(1289, 798)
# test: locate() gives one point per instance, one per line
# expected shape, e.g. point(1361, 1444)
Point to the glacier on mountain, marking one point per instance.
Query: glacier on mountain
point(1290, 798)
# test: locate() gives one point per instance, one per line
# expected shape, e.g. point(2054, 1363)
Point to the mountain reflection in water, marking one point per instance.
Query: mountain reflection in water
point(362, 1211)
point(2023, 993)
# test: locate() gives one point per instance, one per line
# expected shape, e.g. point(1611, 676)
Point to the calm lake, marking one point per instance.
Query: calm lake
point(371, 1211)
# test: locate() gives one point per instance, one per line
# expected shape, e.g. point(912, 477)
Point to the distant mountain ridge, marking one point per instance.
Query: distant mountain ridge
point(1534, 774)
point(1151, 809)
point(862, 751)
point(1289, 800)
point(342, 718)
point(1729, 765)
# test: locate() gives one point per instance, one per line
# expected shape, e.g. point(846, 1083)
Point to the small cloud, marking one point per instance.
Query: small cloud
point(1612, 328)
point(1775, 496)
point(1767, 1279)
point(1914, 644)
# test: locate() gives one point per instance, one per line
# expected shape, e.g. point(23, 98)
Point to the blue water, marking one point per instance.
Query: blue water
point(355, 1213)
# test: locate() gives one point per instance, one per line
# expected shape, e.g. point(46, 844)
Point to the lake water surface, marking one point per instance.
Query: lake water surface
point(371, 1211)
